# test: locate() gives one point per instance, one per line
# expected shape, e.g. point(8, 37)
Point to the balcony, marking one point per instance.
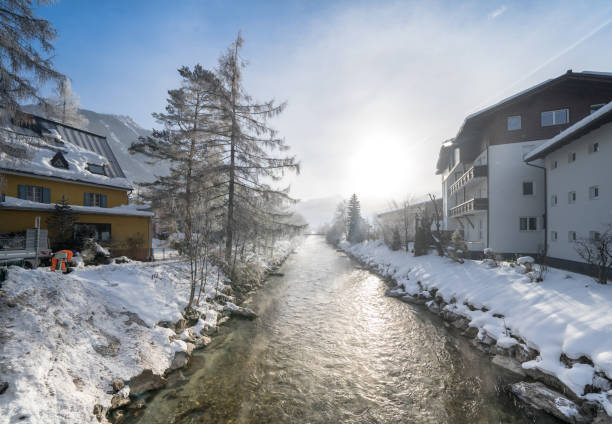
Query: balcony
point(477, 171)
point(469, 207)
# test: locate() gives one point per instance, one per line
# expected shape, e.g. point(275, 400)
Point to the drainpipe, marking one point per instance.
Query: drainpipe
point(488, 196)
point(545, 207)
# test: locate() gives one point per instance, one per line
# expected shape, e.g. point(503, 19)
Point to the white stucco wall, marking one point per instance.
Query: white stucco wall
point(589, 169)
point(475, 236)
point(507, 172)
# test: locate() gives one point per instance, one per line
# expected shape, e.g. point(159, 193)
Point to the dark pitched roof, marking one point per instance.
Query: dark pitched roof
point(42, 139)
point(82, 138)
point(473, 121)
point(580, 128)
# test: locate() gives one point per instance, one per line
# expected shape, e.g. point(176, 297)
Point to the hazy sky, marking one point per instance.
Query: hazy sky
point(373, 87)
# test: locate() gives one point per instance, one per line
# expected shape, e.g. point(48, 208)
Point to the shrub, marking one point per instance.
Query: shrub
point(94, 254)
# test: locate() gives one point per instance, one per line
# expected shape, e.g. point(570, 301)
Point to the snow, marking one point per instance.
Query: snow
point(101, 250)
point(162, 249)
point(50, 337)
point(536, 153)
point(132, 210)
point(39, 153)
point(65, 337)
point(525, 260)
point(566, 313)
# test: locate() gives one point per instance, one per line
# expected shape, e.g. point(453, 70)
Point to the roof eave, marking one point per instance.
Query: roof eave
point(128, 187)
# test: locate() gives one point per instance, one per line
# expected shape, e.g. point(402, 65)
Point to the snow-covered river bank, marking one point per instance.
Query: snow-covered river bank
point(558, 331)
point(64, 338)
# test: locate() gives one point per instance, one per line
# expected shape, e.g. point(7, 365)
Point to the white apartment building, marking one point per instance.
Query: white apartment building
point(489, 191)
point(578, 165)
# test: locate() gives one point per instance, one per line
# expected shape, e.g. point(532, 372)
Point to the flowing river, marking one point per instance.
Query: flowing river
point(329, 347)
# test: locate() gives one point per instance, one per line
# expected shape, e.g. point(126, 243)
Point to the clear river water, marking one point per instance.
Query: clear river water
point(329, 347)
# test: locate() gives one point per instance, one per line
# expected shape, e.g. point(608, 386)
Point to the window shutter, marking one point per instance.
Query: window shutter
point(46, 195)
point(22, 192)
point(103, 200)
point(86, 199)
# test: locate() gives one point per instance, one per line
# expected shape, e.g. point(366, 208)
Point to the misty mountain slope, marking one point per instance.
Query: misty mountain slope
point(120, 131)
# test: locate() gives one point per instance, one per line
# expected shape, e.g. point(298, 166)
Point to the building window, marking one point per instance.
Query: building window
point(594, 235)
point(554, 164)
point(94, 199)
point(514, 123)
point(571, 197)
point(527, 188)
point(554, 200)
point(594, 147)
point(571, 236)
point(555, 117)
point(99, 232)
point(596, 107)
point(553, 235)
point(594, 192)
point(528, 223)
point(571, 157)
point(34, 193)
point(96, 169)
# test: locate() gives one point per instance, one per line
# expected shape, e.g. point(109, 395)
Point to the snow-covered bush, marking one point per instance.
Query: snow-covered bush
point(458, 242)
point(527, 262)
point(94, 254)
point(489, 260)
point(454, 254)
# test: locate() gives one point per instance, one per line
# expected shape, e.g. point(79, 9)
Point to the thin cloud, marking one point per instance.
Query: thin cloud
point(498, 12)
point(547, 62)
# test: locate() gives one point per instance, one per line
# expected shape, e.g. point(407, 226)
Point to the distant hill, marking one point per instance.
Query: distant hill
point(120, 131)
point(318, 211)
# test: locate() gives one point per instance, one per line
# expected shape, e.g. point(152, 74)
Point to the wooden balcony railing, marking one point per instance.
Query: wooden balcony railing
point(469, 207)
point(474, 172)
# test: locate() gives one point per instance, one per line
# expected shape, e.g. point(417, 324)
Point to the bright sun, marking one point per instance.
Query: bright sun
point(379, 168)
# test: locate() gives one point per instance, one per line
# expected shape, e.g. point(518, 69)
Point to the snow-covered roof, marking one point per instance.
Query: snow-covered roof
point(132, 210)
point(580, 128)
point(33, 146)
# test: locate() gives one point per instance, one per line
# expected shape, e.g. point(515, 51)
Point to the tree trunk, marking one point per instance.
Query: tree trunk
point(232, 167)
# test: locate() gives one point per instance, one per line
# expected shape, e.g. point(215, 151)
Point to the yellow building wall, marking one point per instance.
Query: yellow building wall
point(74, 192)
point(123, 227)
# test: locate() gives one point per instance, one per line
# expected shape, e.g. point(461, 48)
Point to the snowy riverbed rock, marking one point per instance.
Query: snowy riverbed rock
point(540, 397)
point(145, 382)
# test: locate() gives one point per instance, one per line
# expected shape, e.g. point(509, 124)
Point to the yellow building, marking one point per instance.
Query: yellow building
point(42, 161)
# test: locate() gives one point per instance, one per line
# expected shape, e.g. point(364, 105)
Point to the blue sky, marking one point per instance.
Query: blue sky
point(373, 87)
point(122, 55)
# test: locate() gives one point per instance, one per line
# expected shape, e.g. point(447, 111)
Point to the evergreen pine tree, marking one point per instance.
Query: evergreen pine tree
point(61, 225)
point(354, 220)
point(249, 143)
point(26, 49)
point(422, 238)
point(396, 244)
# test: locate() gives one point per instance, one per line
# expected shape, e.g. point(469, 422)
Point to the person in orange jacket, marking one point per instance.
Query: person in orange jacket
point(62, 256)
